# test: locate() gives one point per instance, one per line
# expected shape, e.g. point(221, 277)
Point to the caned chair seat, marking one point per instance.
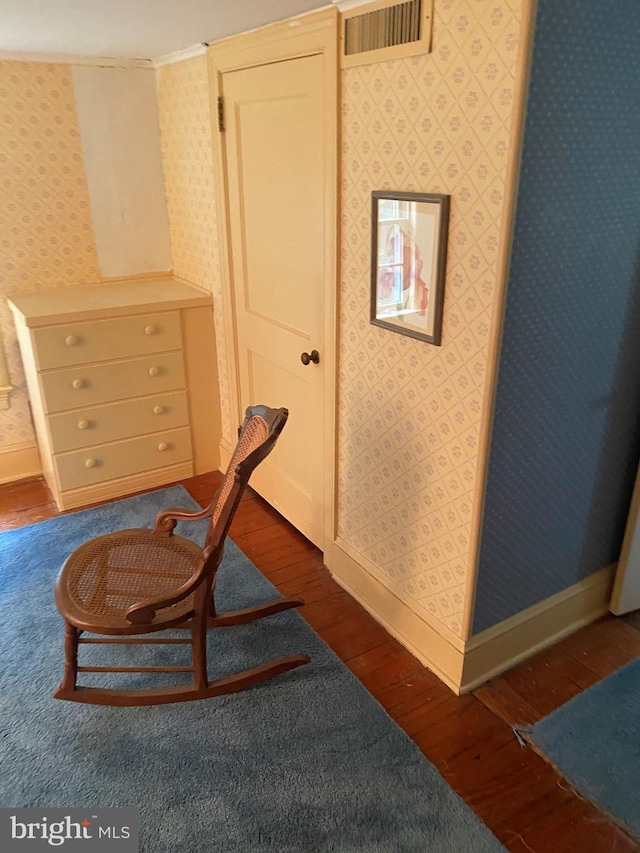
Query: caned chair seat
point(105, 577)
point(141, 581)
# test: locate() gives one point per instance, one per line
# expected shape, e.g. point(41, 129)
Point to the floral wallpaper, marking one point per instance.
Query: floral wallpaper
point(46, 232)
point(410, 412)
point(187, 156)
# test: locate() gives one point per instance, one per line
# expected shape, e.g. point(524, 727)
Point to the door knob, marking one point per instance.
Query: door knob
point(313, 356)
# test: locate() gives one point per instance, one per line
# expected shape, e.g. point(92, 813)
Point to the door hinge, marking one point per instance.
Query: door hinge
point(220, 115)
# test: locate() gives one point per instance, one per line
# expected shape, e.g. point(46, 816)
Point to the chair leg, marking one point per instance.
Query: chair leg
point(71, 637)
point(199, 650)
point(212, 598)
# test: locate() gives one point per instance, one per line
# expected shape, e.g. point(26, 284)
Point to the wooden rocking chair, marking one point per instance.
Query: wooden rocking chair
point(142, 581)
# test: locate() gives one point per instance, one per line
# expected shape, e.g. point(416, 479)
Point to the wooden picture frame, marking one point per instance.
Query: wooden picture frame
point(409, 234)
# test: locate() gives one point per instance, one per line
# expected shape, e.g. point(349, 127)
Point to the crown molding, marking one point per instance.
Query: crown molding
point(72, 59)
point(180, 55)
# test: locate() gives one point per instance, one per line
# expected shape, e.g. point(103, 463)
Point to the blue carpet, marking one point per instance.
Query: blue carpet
point(307, 761)
point(594, 740)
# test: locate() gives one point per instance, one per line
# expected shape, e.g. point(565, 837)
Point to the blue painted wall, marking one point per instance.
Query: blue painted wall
point(566, 437)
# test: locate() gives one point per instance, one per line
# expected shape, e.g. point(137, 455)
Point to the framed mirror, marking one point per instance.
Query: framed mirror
point(408, 259)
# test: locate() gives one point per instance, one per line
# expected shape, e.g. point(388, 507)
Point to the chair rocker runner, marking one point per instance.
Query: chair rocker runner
point(141, 581)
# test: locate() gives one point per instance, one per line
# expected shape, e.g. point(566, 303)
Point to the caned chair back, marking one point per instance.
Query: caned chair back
point(256, 438)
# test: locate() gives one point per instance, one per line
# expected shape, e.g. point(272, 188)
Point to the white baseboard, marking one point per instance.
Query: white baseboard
point(18, 463)
point(415, 634)
point(510, 642)
point(465, 666)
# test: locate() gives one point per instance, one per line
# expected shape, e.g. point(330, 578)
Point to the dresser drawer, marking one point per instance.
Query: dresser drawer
point(115, 421)
point(79, 387)
point(122, 459)
point(105, 340)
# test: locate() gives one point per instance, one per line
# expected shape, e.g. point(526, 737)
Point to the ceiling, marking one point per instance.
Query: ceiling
point(136, 29)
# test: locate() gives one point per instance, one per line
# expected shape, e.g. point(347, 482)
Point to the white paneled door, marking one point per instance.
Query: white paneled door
point(275, 148)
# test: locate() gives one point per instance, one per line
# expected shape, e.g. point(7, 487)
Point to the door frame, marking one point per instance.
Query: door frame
point(626, 584)
point(305, 35)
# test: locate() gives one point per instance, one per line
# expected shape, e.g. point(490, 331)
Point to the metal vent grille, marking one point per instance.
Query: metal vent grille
point(387, 27)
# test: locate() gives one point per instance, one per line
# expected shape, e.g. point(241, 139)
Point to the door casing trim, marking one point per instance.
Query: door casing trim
point(305, 35)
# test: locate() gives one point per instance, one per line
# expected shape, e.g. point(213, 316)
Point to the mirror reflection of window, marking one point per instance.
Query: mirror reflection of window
point(400, 289)
point(390, 210)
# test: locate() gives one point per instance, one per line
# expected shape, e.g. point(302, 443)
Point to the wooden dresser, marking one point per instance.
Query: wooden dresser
point(111, 371)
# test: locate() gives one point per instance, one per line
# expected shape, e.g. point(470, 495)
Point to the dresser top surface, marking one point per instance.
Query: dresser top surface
point(109, 299)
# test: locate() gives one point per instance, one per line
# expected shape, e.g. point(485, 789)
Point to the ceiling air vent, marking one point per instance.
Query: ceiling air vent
point(386, 30)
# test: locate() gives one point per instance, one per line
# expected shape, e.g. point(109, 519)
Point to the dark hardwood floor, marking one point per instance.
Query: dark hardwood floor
point(469, 738)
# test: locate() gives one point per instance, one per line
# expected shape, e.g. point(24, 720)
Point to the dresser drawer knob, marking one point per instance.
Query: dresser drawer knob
point(84, 424)
point(150, 330)
point(90, 463)
point(71, 340)
point(158, 410)
point(162, 447)
point(78, 383)
point(154, 371)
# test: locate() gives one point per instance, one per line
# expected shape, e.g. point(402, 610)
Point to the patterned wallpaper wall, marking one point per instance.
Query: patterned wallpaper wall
point(566, 434)
point(187, 155)
point(46, 233)
point(409, 413)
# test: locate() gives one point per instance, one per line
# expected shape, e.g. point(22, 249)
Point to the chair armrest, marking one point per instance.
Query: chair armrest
point(167, 519)
point(143, 612)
